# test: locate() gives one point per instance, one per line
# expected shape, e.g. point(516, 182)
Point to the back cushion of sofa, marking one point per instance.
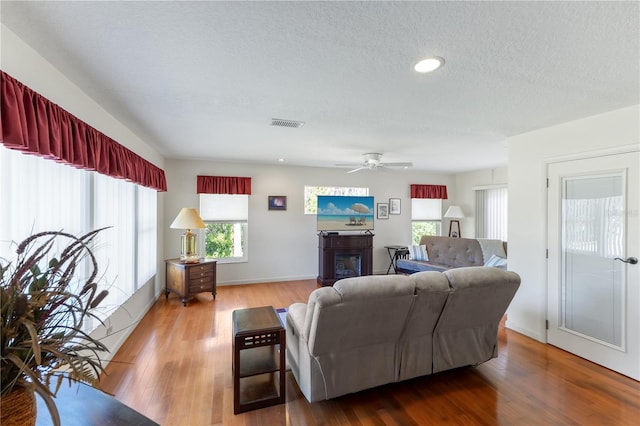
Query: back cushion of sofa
point(431, 292)
point(370, 310)
point(454, 252)
point(483, 294)
point(466, 333)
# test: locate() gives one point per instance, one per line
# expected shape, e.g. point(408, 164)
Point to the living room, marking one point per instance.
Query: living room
point(283, 244)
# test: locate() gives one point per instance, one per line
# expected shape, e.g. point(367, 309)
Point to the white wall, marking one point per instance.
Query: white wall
point(466, 197)
point(27, 66)
point(283, 245)
point(528, 157)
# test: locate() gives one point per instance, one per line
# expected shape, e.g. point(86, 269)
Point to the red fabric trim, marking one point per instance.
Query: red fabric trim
point(429, 191)
point(224, 185)
point(33, 124)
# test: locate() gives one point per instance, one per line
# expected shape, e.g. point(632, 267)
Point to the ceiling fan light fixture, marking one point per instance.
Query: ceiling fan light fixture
point(429, 64)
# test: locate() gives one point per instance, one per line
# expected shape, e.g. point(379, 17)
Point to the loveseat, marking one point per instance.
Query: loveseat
point(372, 330)
point(444, 253)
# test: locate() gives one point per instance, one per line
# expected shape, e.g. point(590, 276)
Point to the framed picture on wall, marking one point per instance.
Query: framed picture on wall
point(394, 205)
point(277, 202)
point(383, 211)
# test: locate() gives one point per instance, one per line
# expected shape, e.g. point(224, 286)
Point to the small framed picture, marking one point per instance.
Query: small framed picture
point(394, 205)
point(277, 202)
point(383, 211)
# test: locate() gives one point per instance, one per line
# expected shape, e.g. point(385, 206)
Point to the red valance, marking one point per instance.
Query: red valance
point(429, 191)
point(33, 124)
point(224, 185)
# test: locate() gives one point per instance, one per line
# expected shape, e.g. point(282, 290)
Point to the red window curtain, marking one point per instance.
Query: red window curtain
point(33, 124)
point(224, 185)
point(429, 191)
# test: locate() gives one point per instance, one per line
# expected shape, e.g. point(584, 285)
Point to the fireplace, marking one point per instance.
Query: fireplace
point(347, 265)
point(344, 256)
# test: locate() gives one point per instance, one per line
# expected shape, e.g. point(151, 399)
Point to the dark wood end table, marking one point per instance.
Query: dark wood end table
point(259, 366)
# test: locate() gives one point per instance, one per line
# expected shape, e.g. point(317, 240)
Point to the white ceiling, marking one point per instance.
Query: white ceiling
point(204, 79)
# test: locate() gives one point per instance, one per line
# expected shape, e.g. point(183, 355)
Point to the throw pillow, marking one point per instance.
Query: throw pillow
point(496, 261)
point(418, 253)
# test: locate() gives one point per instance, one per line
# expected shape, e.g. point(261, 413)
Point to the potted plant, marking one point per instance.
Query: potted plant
point(44, 302)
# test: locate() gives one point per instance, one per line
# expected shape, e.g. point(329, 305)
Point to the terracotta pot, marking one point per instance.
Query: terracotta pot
point(18, 408)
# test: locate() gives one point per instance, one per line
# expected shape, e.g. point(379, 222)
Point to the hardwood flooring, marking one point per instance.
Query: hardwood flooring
point(176, 369)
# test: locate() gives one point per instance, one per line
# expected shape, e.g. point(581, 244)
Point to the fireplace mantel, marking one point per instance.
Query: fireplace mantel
point(343, 256)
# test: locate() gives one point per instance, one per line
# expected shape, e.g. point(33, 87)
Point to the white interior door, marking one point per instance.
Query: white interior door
point(593, 282)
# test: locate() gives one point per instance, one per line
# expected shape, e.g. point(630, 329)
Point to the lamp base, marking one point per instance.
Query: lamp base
point(189, 259)
point(188, 253)
point(452, 233)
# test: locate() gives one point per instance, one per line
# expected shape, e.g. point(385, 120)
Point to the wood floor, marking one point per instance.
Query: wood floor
point(176, 369)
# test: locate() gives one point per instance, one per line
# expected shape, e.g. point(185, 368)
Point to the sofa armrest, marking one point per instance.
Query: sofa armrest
point(295, 319)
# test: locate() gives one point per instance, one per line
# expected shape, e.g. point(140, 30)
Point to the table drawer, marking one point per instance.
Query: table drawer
point(200, 271)
point(201, 284)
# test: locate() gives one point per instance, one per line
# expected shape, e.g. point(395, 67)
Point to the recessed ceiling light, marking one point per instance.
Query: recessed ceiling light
point(281, 160)
point(429, 64)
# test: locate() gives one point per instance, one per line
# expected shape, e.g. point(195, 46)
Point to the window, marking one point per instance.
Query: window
point(226, 217)
point(44, 195)
point(491, 213)
point(426, 218)
point(311, 195)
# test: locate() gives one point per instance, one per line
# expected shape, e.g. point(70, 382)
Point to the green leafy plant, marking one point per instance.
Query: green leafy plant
point(44, 304)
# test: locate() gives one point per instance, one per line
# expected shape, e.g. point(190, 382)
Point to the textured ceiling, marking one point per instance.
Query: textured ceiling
point(204, 79)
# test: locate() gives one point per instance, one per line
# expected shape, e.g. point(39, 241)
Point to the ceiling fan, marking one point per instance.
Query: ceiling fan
point(372, 162)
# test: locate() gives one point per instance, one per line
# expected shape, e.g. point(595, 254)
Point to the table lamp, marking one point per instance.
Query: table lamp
point(188, 219)
point(455, 213)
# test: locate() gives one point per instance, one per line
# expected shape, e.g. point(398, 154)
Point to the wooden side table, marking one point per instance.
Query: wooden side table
point(259, 369)
point(188, 279)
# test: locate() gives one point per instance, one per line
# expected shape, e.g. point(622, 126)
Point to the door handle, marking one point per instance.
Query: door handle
point(631, 260)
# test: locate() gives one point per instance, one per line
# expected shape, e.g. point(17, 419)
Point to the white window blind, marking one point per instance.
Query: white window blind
point(426, 209)
point(147, 231)
point(224, 207)
point(114, 208)
point(41, 195)
point(491, 213)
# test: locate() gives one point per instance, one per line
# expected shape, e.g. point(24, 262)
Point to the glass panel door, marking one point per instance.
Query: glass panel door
point(592, 236)
point(593, 279)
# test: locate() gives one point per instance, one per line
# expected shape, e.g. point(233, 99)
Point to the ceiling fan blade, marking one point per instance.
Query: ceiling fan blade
point(355, 170)
point(397, 164)
point(348, 164)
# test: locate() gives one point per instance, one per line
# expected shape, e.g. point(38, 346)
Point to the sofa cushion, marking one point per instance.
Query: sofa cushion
point(496, 261)
point(466, 333)
point(453, 252)
point(411, 266)
point(492, 247)
point(418, 253)
point(360, 311)
point(432, 290)
point(354, 333)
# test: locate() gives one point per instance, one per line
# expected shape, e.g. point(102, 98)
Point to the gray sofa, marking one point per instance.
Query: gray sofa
point(445, 253)
point(371, 330)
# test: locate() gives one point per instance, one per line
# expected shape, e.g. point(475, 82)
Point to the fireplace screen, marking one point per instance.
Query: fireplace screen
point(348, 265)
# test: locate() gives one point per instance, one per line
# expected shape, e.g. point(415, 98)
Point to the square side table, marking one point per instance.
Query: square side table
point(259, 366)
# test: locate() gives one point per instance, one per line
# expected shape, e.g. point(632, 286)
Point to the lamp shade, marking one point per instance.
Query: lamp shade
point(454, 212)
point(188, 218)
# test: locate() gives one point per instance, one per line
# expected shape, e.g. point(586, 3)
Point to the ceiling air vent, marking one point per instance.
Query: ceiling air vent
point(286, 123)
